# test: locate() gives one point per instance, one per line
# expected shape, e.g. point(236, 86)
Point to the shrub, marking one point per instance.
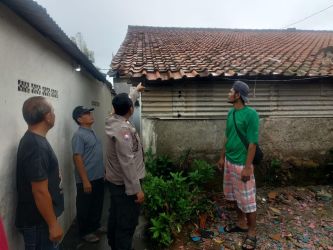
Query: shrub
point(161, 228)
point(160, 166)
point(201, 172)
point(155, 190)
point(174, 198)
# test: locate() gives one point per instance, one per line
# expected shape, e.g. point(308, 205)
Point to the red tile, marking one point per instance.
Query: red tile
point(174, 53)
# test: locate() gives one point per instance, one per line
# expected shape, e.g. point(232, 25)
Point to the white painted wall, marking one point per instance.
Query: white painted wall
point(26, 55)
point(121, 86)
point(148, 134)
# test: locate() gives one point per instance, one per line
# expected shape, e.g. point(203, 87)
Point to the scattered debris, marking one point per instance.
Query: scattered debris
point(324, 196)
point(287, 218)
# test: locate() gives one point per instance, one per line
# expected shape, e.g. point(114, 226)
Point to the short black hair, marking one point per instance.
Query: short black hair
point(34, 109)
point(122, 104)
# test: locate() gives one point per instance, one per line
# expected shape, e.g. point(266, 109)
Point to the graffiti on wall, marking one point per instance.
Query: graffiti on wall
point(36, 89)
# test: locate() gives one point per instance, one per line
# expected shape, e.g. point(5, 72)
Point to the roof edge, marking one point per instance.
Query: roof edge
point(136, 27)
point(37, 16)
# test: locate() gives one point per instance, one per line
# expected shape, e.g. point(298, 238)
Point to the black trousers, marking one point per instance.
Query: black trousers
point(123, 218)
point(89, 207)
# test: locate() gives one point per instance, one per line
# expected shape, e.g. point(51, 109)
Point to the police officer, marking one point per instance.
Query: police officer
point(124, 171)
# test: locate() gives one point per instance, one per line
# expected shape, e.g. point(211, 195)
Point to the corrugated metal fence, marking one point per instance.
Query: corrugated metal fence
point(209, 100)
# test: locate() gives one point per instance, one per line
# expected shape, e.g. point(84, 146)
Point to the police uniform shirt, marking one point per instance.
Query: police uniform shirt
point(124, 154)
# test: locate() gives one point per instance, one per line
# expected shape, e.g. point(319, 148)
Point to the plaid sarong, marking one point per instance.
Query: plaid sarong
point(244, 193)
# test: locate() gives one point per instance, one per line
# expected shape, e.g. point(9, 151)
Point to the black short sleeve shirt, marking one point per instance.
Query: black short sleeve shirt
point(36, 161)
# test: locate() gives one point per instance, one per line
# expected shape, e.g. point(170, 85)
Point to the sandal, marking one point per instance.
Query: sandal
point(249, 243)
point(233, 228)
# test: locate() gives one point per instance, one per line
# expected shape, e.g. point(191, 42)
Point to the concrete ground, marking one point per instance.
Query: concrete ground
point(72, 241)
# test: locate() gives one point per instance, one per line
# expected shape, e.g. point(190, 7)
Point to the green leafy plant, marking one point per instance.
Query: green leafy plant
point(179, 197)
point(173, 197)
point(158, 165)
point(168, 203)
point(161, 228)
point(201, 172)
point(155, 190)
point(204, 205)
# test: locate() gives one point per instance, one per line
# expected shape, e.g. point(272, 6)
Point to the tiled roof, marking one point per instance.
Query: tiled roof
point(158, 53)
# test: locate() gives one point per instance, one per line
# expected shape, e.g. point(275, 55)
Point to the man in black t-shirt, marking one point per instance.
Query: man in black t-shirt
point(40, 197)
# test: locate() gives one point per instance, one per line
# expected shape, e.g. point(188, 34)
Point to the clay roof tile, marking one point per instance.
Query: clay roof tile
point(173, 53)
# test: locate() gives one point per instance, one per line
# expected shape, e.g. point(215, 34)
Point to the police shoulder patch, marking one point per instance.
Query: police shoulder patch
point(125, 132)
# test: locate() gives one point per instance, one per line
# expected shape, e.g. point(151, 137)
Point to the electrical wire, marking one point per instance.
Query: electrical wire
point(316, 13)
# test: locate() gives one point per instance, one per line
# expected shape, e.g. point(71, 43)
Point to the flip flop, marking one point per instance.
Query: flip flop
point(233, 228)
point(249, 242)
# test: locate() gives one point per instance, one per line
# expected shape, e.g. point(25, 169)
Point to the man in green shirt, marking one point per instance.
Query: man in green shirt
point(236, 160)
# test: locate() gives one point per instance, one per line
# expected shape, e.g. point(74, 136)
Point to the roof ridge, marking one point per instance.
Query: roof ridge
point(136, 27)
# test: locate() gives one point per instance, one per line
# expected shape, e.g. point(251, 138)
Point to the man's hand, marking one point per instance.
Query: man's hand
point(140, 197)
point(55, 232)
point(220, 164)
point(87, 187)
point(140, 87)
point(246, 173)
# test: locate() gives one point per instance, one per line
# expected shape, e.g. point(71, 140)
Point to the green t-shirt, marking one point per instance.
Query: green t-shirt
point(247, 121)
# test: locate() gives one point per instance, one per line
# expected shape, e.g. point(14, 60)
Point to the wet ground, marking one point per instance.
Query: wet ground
point(73, 242)
point(288, 218)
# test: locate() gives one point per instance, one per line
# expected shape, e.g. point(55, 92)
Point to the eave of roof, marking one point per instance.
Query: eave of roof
point(163, 53)
point(36, 16)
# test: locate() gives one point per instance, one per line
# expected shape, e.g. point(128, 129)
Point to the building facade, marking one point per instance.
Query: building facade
point(35, 63)
point(188, 73)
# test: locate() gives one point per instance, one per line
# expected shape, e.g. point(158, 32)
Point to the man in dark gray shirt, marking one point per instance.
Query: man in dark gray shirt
point(40, 197)
point(89, 174)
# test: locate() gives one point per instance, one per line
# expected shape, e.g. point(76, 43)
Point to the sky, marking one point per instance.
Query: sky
point(103, 23)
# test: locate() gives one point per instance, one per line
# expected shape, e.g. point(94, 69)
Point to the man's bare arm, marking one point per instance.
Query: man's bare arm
point(220, 163)
point(250, 154)
point(248, 169)
point(44, 205)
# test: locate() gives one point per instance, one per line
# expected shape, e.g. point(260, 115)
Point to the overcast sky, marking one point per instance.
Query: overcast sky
point(103, 23)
